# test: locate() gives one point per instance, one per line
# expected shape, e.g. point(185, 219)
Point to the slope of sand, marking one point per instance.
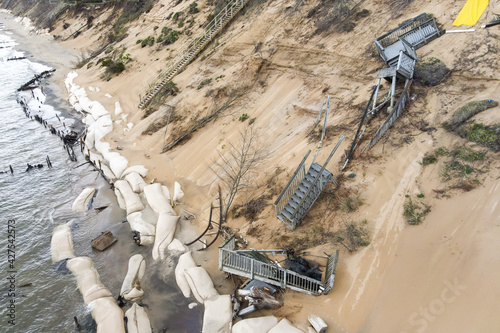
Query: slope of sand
point(435, 277)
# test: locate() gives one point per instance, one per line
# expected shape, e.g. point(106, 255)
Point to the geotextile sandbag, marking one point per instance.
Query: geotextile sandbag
point(61, 244)
point(252, 325)
point(97, 110)
point(121, 201)
point(136, 182)
point(284, 326)
point(140, 169)
point(132, 200)
point(157, 199)
point(165, 232)
point(131, 288)
point(87, 279)
point(117, 163)
point(82, 201)
point(178, 193)
point(200, 283)
point(137, 320)
point(107, 315)
point(185, 261)
point(218, 315)
point(146, 231)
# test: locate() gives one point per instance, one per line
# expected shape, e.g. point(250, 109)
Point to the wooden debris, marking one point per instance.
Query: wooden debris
point(318, 324)
point(247, 310)
point(105, 240)
point(262, 299)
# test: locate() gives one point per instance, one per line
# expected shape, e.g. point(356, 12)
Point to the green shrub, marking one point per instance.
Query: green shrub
point(429, 159)
point(243, 117)
point(149, 41)
point(468, 111)
point(176, 16)
point(193, 8)
point(204, 83)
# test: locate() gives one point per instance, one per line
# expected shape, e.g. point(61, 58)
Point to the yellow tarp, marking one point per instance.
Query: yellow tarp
point(471, 12)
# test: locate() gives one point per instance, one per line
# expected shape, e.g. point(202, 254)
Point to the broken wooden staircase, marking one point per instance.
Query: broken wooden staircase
point(302, 191)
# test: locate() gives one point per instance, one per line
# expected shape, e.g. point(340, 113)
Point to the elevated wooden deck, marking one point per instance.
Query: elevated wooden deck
point(415, 32)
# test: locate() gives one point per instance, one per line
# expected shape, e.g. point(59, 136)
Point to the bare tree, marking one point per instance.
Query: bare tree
point(237, 167)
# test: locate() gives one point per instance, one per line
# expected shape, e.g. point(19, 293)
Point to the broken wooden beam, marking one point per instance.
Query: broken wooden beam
point(105, 240)
point(318, 323)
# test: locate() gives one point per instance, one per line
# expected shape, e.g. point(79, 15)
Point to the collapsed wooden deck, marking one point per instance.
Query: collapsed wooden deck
point(241, 264)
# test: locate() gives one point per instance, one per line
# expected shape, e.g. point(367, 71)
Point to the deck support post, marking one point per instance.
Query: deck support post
point(376, 93)
point(393, 92)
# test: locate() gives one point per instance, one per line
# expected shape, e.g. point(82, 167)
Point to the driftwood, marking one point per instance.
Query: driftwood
point(318, 323)
point(105, 240)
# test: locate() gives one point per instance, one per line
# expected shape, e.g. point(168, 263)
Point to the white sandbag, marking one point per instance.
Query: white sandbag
point(117, 163)
point(146, 230)
point(132, 200)
point(137, 319)
point(97, 110)
point(165, 232)
point(81, 203)
point(178, 193)
point(90, 138)
point(89, 120)
point(72, 99)
point(102, 147)
point(218, 315)
point(166, 192)
point(157, 199)
point(68, 81)
point(61, 244)
point(136, 182)
point(84, 101)
point(118, 108)
point(103, 126)
point(252, 325)
point(200, 283)
point(121, 201)
point(96, 159)
point(78, 107)
point(87, 279)
point(140, 169)
point(185, 261)
point(284, 326)
point(107, 315)
point(107, 172)
point(131, 288)
point(176, 245)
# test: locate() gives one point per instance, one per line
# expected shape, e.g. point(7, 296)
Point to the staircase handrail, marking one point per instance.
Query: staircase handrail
point(320, 175)
point(211, 29)
point(282, 194)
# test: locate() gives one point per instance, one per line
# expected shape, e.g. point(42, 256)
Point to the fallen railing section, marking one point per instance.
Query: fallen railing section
point(233, 262)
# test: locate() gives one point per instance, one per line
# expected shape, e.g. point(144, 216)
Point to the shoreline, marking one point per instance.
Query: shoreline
point(57, 99)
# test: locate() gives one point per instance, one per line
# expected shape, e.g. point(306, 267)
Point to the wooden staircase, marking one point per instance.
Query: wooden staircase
point(302, 191)
point(176, 64)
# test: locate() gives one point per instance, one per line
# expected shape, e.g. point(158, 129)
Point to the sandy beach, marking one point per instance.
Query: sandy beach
point(439, 276)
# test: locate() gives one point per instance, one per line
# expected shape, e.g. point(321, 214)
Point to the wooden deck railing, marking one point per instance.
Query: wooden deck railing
point(231, 261)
